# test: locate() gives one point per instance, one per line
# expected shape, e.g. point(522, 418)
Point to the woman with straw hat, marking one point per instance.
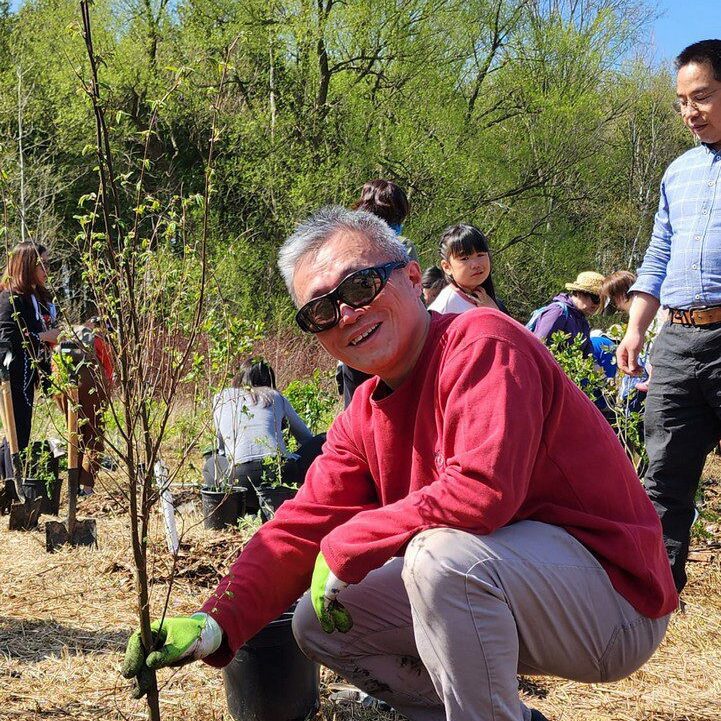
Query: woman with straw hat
point(568, 312)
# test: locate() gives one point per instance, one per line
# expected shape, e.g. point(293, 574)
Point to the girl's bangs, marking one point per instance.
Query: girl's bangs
point(466, 244)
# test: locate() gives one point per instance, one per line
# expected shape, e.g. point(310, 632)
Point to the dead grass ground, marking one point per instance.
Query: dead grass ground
point(64, 619)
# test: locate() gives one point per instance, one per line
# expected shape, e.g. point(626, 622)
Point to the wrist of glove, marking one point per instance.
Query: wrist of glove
point(324, 590)
point(177, 641)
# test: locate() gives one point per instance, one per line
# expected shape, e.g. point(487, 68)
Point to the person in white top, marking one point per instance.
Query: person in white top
point(248, 420)
point(466, 262)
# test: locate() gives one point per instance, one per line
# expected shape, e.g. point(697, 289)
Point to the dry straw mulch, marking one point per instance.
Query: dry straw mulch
point(64, 619)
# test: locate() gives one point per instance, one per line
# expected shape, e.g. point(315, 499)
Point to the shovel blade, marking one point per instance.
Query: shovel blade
point(24, 516)
point(85, 533)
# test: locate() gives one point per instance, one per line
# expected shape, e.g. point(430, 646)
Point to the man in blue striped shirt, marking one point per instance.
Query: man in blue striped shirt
point(682, 271)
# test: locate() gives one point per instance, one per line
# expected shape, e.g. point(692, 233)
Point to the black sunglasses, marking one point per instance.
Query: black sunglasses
point(595, 299)
point(356, 290)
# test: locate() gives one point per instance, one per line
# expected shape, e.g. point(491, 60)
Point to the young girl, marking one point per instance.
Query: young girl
point(466, 262)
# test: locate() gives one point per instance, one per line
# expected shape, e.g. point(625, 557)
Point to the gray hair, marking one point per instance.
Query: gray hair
point(312, 234)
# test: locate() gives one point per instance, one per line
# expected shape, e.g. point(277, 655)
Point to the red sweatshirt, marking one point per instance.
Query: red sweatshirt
point(486, 430)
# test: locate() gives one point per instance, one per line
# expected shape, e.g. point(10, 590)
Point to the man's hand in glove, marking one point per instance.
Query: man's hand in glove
point(324, 589)
point(180, 640)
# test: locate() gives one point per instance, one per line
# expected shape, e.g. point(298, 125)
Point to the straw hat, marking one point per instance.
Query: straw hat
point(587, 282)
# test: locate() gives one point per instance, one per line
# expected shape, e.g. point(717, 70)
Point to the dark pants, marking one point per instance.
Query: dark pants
point(682, 423)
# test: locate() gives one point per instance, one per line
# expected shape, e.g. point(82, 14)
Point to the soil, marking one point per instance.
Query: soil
point(65, 617)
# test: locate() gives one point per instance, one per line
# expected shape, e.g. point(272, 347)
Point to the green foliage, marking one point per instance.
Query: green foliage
point(312, 400)
point(39, 465)
point(522, 118)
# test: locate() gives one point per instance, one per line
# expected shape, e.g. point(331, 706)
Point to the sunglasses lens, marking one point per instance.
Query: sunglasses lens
point(360, 288)
point(318, 315)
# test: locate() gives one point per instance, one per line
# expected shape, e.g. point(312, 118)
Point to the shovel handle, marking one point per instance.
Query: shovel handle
point(73, 474)
point(73, 453)
point(9, 417)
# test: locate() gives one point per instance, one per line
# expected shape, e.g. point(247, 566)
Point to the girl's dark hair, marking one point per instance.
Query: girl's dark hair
point(256, 374)
point(462, 239)
point(384, 199)
point(20, 271)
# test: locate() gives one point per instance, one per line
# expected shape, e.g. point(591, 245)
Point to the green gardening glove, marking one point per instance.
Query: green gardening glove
point(180, 640)
point(324, 589)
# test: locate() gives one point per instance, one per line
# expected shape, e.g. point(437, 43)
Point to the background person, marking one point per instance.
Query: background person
point(389, 202)
point(615, 290)
point(433, 282)
point(569, 312)
point(682, 271)
point(433, 526)
point(22, 325)
point(249, 419)
point(95, 377)
point(466, 263)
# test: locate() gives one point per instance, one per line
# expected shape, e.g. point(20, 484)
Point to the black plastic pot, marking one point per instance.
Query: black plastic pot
point(37, 488)
point(270, 679)
point(41, 462)
point(222, 508)
point(271, 498)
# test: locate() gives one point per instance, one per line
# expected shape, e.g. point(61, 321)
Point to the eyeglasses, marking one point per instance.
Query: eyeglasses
point(358, 289)
point(595, 299)
point(680, 105)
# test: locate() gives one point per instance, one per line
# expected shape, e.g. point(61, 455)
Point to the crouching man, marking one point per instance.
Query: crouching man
point(472, 515)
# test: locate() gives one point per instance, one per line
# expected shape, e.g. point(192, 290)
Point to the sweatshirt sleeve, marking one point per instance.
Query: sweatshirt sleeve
point(275, 567)
point(550, 321)
point(491, 433)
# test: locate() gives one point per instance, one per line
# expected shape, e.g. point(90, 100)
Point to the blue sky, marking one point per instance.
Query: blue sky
point(681, 23)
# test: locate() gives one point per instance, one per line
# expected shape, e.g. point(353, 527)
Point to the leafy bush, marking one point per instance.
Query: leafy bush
point(313, 401)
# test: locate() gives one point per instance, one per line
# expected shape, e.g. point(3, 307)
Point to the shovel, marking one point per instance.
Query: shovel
point(24, 513)
point(73, 531)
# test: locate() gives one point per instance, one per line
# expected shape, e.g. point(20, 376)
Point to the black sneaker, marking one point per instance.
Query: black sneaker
point(537, 715)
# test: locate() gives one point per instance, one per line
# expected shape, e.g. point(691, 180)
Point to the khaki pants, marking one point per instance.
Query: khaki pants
point(442, 632)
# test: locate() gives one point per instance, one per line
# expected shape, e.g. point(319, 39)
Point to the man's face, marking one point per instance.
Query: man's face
point(383, 338)
point(699, 96)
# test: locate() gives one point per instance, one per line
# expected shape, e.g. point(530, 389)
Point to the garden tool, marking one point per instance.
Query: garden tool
point(73, 531)
point(24, 511)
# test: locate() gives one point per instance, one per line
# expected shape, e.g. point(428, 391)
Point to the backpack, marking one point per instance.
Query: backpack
point(533, 321)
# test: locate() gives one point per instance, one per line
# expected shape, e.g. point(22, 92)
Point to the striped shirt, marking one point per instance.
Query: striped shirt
point(682, 266)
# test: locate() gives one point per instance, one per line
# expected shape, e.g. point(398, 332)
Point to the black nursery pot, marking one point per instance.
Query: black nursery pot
point(37, 488)
point(270, 679)
point(271, 498)
point(41, 461)
point(222, 508)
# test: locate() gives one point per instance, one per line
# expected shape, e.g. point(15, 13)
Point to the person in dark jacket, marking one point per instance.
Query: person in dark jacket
point(23, 326)
point(569, 312)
